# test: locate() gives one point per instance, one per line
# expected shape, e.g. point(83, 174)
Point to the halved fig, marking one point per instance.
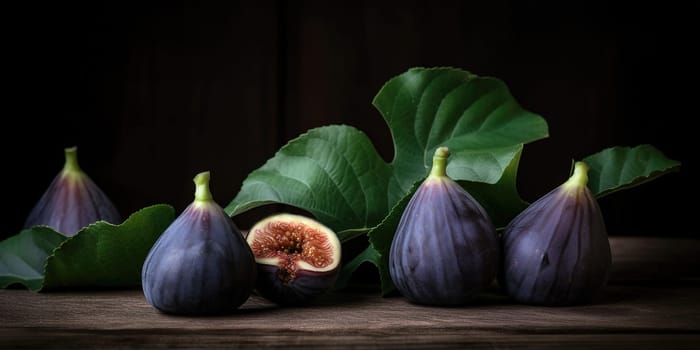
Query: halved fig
point(297, 257)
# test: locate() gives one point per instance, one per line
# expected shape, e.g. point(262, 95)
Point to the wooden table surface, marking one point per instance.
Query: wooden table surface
point(651, 302)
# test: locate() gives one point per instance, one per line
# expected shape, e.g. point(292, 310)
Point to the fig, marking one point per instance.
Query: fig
point(201, 264)
point(298, 258)
point(556, 251)
point(72, 201)
point(445, 249)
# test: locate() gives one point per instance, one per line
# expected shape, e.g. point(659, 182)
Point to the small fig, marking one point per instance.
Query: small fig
point(298, 258)
point(445, 249)
point(556, 251)
point(201, 264)
point(72, 201)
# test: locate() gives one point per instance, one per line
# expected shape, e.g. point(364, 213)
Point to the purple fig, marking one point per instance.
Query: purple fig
point(445, 249)
point(72, 201)
point(557, 250)
point(201, 264)
point(298, 258)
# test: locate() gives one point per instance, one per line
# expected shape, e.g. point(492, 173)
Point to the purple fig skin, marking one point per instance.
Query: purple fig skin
point(445, 249)
point(201, 264)
point(72, 201)
point(298, 258)
point(556, 251)
point(303, 289)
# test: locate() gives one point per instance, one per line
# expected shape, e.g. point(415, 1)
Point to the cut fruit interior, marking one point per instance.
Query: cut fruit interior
point(288, 241)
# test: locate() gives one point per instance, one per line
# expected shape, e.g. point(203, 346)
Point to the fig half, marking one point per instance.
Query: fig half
point(445, 249)
point(556, 251)
point(72, 201)
point(298, 258)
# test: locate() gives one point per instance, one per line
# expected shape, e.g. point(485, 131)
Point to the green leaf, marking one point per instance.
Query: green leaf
point(429, 108)
point(335, 173)
point(619, 168)
point(22, 256)
point(106, 255)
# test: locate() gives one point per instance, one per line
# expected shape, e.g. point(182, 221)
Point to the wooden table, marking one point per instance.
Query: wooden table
point(651, 302)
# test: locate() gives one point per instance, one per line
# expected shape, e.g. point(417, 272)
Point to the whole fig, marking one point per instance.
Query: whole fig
point(201, 264)
point(72, 201)
point(298, 258)
point(445, 249)
point(556, 251)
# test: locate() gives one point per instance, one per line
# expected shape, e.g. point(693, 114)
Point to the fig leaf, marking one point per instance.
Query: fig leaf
point(334, 172)
point(22, 256)
point(100, 255)
point(618, 168)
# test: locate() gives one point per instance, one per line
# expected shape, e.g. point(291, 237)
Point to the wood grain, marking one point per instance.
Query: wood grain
point(628, 315)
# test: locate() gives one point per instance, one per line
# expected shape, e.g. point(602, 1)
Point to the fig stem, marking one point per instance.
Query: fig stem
point(579, 178)
point(439, 168)
point(71, 164)
point(202, 192)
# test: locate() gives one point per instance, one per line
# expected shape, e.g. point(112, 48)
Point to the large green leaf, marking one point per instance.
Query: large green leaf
point(429, 108)
point(23, 256)
point(107, 255)
point(335, 173)
point(619, 168)
point(99, 255)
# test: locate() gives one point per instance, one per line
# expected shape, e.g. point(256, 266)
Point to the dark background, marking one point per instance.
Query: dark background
point(155, 92)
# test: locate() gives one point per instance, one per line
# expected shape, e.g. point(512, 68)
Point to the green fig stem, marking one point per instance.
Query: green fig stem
point(202, 192)
point(71, 165)
point(579, 178)
point(439, 168)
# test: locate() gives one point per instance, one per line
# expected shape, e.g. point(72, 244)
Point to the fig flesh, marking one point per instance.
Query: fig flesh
point(201, 264)
point(556, 251)
point(298, 258)
point(445, 249)
point(72, 201)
